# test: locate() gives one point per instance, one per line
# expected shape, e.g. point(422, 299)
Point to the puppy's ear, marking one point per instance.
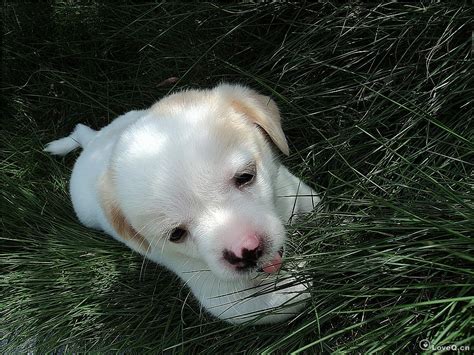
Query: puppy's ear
point(261, 110)
point(116, 217)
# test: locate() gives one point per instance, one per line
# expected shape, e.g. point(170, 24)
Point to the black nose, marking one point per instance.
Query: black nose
point(248, 260)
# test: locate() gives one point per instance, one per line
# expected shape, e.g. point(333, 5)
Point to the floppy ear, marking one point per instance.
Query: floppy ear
point(115, 216)
point(259, 109)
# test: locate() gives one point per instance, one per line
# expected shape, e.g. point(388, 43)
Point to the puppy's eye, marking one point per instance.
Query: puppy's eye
point(177, 235)
point(244, 179)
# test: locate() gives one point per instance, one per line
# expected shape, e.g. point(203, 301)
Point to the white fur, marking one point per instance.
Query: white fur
point(173, 165)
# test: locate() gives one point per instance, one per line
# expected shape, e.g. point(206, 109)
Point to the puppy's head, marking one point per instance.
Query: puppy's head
point(194, 179)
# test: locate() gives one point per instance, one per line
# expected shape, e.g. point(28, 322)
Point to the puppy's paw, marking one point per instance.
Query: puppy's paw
point(270, 302)
point(294, 294)
point(286, 302)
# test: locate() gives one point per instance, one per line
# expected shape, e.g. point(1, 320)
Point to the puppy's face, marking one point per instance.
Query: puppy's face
point(195, 177)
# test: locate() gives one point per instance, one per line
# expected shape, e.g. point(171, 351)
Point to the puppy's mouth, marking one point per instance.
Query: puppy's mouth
point(274, 264)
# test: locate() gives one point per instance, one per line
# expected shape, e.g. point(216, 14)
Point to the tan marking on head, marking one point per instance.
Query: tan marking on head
point(262, 111)
point(182, 100)
point(258, 109)
point(115, 216)
point(229, 127)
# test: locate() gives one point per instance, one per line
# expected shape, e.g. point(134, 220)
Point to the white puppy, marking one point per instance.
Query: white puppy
point(192, 183)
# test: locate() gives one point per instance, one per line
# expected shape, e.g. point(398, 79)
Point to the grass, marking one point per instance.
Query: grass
point(378, 109)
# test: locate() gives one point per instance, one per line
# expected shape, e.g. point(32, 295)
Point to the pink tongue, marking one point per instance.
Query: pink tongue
point(274, 265)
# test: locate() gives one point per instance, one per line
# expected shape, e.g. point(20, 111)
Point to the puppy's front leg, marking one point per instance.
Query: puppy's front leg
point(263, 300)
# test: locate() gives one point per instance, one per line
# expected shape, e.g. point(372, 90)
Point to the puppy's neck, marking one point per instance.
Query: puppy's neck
point(293, 197)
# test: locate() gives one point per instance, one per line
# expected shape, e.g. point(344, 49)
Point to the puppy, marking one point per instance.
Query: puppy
point(192, 183)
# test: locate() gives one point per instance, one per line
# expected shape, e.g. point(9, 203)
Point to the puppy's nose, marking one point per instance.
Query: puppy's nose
point(249, 244)
point(246, 253)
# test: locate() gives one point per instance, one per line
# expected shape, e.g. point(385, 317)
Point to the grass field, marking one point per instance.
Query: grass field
point(377, 105)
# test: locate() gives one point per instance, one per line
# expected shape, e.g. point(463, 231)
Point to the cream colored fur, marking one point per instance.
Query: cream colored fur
point(173, 165)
